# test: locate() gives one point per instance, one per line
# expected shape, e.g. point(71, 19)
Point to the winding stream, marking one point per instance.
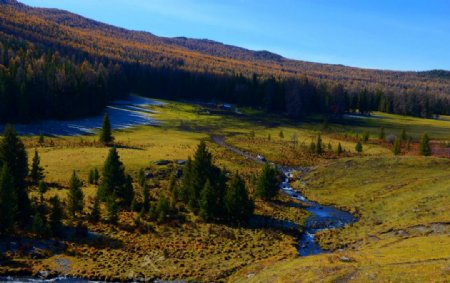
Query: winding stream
point(321, 218)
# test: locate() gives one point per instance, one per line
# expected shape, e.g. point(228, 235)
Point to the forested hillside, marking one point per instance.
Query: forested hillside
point(54, 64)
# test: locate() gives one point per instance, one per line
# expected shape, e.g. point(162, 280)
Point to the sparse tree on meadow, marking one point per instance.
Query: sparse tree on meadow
point(408, 143)
point(41, 139)
point(106, 133)
point(267, 183)
point(397, 146)
point(359, 147)
point(319, 145)
point(75, 200)
point(39, 224)
point(95, 214)
point(239, 207)
point(208, 202)
point(339, 149)
point(114, 181)
point(56, 216)
point(365, 136)
point(112, 209)
point(36, 172)
point(162, 209)
point(424, 147)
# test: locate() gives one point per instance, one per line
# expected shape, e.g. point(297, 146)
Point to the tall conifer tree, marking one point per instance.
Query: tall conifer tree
point(8, 201)
point(106, 133)
point(14, 156)
point(36, 172)
point(75, 197)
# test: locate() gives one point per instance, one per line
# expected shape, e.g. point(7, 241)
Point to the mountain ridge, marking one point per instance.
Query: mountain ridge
point(57, 58)
point(64, 28)
point(208, 45)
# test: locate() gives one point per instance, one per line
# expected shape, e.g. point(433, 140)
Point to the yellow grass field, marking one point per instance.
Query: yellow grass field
point(402, 203)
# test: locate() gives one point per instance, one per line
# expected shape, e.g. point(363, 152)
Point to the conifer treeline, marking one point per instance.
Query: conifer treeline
point(39, 82)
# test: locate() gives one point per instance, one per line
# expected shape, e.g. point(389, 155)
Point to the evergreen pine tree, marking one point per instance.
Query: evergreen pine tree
point(95, 214)
point(75, 198)
point(173, 188)
point(39, 225)
point(267, 183)
point(281, 134)
point(41, 139)
point(207, 202)
point(330, 147)
point(141, 177)
point(195, 175)
point(56, 216)
point(408, 143)
point(14, 156)
point(365, 136)
point(319, 145)
point(397, 146)
point(105, 133)
point(43, 188)
point(239, 207)
point(163, 209)
point(186, 181)
point(127, 193)
point(424, 146)
point(114, 181)
point(201, 172)
point(37, 172)
point(339, 149)
point(112, 209)
point(358, 147)
point(8, 201)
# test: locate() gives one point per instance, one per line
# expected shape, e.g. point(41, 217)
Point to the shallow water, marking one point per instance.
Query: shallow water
point(122, 114)
point(321, 218)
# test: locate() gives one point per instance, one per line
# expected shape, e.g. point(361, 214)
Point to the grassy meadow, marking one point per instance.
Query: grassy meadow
point(402, 234)
point(402, 202)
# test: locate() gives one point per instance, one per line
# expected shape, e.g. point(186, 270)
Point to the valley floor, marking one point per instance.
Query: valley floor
point(402, 202)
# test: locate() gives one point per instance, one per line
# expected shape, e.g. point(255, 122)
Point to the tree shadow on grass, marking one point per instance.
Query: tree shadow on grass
point(122, 146)
point(267, 222)
point(93, 239)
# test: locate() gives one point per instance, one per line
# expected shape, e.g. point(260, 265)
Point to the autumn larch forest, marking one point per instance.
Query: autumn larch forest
point(53, 61)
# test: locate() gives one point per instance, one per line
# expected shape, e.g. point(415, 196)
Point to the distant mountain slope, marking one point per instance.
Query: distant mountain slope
point(55, 64)
point(52, 26)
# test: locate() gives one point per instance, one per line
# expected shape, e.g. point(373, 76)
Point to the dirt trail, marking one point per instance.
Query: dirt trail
point(221, 141)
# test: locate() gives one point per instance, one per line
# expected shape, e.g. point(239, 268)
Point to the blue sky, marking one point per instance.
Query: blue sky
point(384, 34)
